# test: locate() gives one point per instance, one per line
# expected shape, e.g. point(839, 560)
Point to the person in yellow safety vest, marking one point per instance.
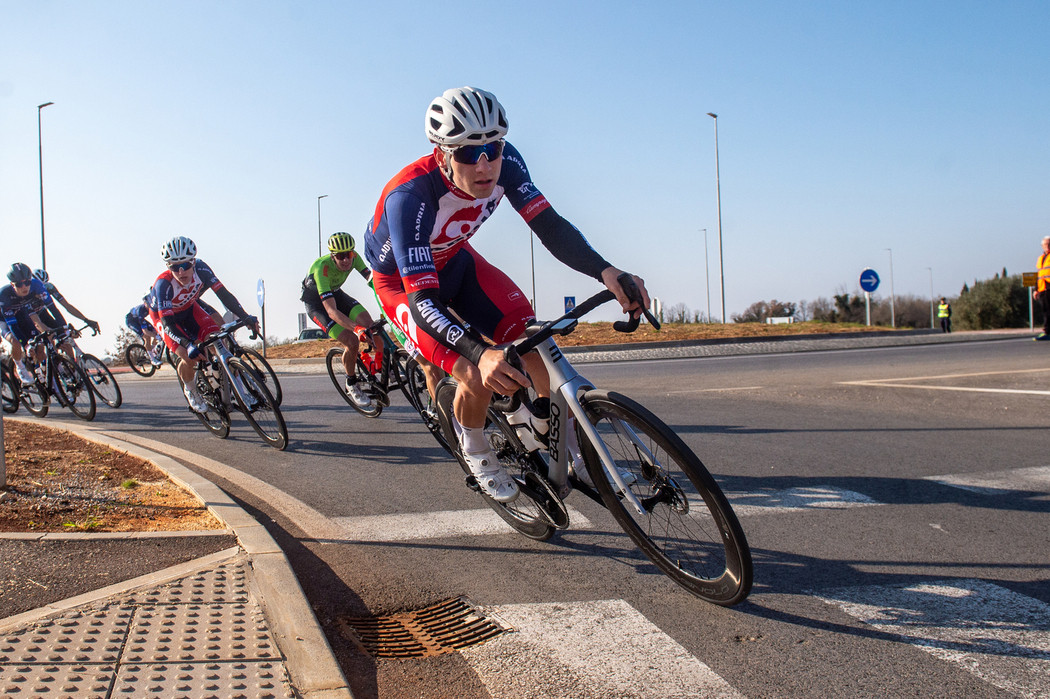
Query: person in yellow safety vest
point(944, 312)
point(1041, 289)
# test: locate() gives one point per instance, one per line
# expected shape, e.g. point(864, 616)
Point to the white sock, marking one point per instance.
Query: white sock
point(474, 441)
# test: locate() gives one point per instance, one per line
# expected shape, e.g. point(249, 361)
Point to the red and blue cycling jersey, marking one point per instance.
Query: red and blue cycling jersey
point(172, 298)
point(15, 310)
point(422, 220)
point(417, 244)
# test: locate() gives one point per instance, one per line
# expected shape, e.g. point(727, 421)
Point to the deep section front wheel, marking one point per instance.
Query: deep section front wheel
point(686, 526)
point(10, 391)
point(258, 405)
point(101, 380)
point(137, 357)
point(73, 388)
point(264, 370)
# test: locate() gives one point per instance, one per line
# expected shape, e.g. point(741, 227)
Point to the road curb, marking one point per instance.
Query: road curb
point(308, 656)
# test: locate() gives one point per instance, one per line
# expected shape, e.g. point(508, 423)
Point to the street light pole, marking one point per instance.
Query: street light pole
point(893, 316)
point(931, 297)
point(40, 152)
point(718, 190)
point(707, 277)
point(319, 223)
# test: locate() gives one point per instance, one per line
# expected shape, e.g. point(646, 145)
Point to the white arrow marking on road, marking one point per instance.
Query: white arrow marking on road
point(797, 499)
point(588, 650)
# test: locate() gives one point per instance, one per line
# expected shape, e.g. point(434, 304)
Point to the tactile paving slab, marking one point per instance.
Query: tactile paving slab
point(200, 636)
point(65, 681)
point(265, 680)
point(198, 632)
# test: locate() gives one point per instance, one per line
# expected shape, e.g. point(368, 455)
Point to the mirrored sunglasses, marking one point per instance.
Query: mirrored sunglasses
point(342, 255)
point(181, 266)
point(27, 282)
point(470, 155)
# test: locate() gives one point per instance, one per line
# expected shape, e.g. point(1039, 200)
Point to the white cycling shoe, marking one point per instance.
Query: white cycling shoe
point(357, 395)
point(194, 398)
point(24, 375)
point(491, 476)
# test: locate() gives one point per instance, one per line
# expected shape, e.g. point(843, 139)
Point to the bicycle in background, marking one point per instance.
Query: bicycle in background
point(100, 378)
point(381, 367)
point(56, 375)
point(619, 454)
point(229, 383)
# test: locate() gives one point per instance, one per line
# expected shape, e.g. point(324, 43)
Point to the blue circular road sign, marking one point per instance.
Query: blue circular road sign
point(869, 280)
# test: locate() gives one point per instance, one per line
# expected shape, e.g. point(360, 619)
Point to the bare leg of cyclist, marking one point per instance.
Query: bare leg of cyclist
point(469, 408)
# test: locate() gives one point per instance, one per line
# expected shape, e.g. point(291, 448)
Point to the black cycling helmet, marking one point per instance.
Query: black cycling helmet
point(19, 272)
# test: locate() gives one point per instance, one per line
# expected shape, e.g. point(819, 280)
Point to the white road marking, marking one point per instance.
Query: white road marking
point(796, 500)
point(897, 383)
point(1035, 479)
point(1000, 636)
point(716, 390)
point(588, 650)
point(435, 525)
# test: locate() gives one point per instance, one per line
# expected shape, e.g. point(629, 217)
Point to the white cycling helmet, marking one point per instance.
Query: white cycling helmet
point(465, 115)
point(178, 249)
point(41, 274)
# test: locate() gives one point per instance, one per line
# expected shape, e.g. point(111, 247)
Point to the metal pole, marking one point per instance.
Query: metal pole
point(718, 190)
point(532, 258)
point(40, 152)
point(932, 326)
point(707, 278)
point(893, 315)
point(319, 223)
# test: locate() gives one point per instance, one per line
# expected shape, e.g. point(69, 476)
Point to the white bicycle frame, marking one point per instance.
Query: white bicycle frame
point(567, 385)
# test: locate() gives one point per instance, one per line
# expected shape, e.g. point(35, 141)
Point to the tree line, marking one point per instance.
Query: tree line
point(999, 302)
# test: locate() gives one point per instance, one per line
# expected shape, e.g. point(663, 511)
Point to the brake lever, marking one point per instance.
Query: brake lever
point(626, 282)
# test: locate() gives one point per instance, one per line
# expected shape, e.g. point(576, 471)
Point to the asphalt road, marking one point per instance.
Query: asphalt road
point(896, 501)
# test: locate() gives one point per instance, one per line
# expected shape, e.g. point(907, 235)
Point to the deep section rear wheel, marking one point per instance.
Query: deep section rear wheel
point(687, 527)
point(74, 390)
point(101, 380)
point(423, 403)
point(216, 418)
point(258, 405)
point(137, 358)
point(525, 514)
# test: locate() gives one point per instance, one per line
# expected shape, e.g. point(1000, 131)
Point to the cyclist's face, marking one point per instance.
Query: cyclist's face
point(344, 260)
point(22, 288)
point(477, 180)
point(182, 276)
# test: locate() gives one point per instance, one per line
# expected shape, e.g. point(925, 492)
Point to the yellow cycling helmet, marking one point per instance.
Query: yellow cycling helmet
point(341, 242)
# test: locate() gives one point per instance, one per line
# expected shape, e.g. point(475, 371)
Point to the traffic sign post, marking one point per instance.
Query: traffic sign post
point(869, 282)
point(260, 293)
point(570, 303)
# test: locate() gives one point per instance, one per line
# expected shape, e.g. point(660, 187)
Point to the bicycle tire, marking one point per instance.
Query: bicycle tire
point(101, 380)
point(689, 531)
point(73, 387)
point(137, 357)
point(264, 370)
point(258, 405)
point(424, 404)
point(336, 372)
point(11, 396)
point(216, 419)
point(525, 514)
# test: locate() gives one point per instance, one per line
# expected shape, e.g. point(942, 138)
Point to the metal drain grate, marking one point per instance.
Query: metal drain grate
point(442, 628)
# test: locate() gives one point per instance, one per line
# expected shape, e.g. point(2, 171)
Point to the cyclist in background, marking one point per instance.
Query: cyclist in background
point(138, 321)
point(423, 266)
point(22, 301)
point(332, 309)
point(43, 276)
point(184, 322)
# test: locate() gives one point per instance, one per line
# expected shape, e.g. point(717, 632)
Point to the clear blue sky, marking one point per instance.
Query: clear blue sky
point(844, 129)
